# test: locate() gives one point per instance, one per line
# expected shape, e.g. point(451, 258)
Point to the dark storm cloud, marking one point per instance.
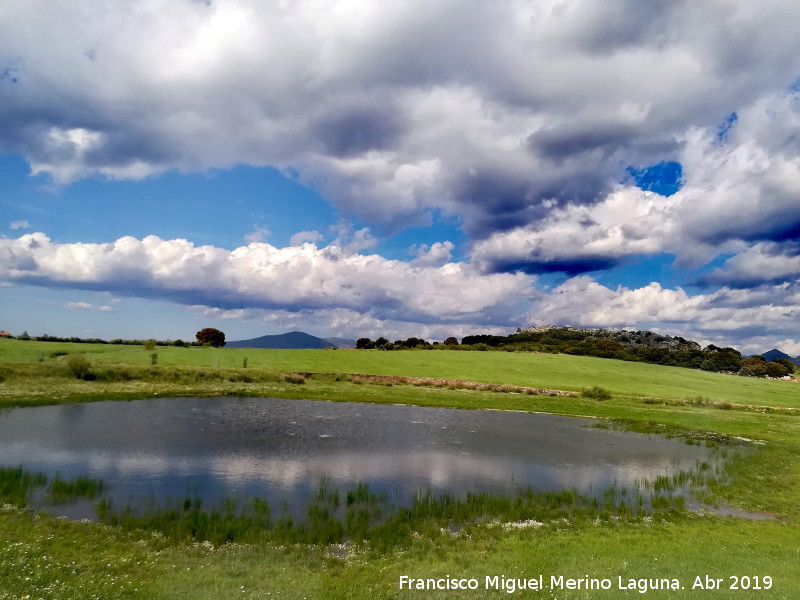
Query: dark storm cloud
point(354, 132)
point(571, 140)
point(575, 266)
point(762, 264)
point(501, 202)
point(613, 26)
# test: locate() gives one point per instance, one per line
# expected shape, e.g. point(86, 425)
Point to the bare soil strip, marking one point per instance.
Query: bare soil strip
point(454, 383)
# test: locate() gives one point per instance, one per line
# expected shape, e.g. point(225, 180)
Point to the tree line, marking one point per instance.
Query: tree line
point(208, 336)
point(634, 346)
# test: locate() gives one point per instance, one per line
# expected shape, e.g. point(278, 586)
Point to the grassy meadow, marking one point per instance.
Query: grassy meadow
point(555, 371)
point(45, 557)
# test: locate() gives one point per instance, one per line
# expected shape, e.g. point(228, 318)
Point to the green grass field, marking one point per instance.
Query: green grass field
point(44, 557)
point(554, 371)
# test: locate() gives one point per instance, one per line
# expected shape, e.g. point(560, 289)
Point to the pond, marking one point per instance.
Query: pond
point(151, 451)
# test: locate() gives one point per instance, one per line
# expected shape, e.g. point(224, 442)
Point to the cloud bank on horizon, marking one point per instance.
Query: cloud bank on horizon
point(562, 137)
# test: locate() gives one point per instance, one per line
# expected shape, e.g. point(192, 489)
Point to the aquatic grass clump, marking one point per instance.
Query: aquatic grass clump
point(16, 485)
point(363, 517)
point(358, 514)
point(215, 526)
point(62, 491)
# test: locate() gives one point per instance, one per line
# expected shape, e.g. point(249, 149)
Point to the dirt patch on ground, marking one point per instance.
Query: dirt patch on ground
point(458, 384)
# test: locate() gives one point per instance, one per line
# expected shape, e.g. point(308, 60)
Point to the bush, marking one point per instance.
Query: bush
point(754, 367)
point(607, 348)
point(179, 343)
point(79, 366)
point(451, 341)
point(786, 363)
point(776, 369)
point(149, 344)
point(596, 392)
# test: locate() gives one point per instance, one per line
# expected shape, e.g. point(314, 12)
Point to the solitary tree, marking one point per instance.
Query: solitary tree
point(451, 341)
point(212, 336)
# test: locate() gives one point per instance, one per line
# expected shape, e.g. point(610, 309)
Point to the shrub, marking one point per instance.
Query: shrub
point(776, 369)
point(607, 348)
point(79, 366)
point(179, 343)
point(451, 341)
point(596, 392)
point(154, 359)
point(149, 344)
point(753, 367)
point(786, 363)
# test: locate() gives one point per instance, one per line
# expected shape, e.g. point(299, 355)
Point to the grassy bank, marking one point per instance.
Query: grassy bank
point(523, 369)
point(52, 558)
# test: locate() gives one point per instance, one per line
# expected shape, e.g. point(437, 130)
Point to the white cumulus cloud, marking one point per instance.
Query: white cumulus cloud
point(259, 234)
point(262, 276)
point(436, 254)
point(302, 237)
point(87, 306)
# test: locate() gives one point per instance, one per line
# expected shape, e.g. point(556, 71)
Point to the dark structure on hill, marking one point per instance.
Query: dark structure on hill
point(285, 341)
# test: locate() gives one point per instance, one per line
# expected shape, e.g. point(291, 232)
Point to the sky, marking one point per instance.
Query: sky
point(432, 168)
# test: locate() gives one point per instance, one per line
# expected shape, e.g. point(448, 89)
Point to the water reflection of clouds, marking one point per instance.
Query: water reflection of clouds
point(409, 471)
point(219, 445)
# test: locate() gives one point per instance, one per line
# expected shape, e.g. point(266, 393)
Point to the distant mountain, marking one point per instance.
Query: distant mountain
point(341, 342)
point(291, 340)
point(775, 353)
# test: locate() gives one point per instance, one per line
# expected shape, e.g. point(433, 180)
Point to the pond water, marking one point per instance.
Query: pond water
point(281, 450)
